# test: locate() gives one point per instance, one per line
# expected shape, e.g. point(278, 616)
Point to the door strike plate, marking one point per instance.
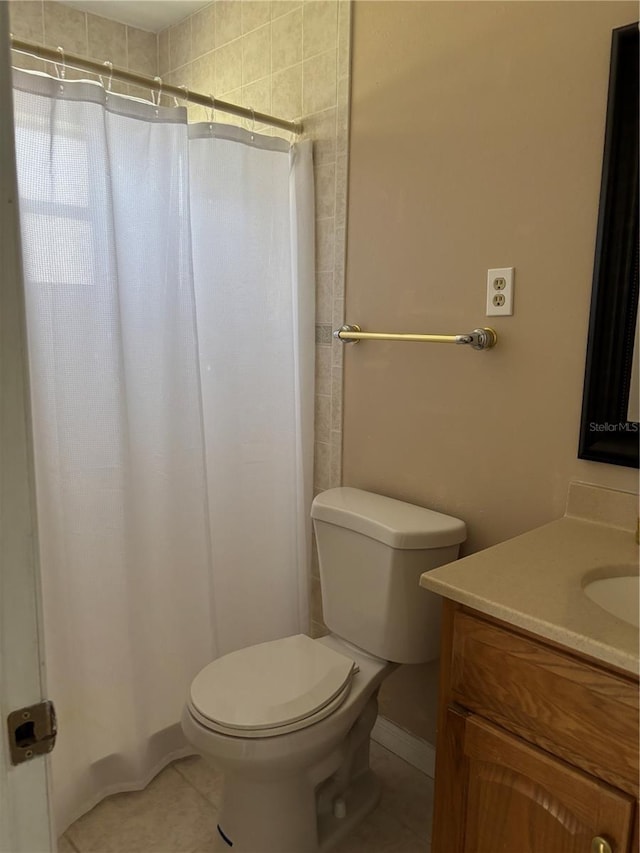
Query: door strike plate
point(32, 731)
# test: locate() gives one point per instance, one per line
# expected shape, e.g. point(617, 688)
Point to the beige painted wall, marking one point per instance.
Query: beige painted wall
point(476, 142)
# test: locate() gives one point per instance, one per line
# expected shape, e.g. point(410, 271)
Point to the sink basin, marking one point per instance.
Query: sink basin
point(619, 595)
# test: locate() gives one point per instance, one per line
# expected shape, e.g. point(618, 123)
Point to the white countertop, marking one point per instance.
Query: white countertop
point(535, 581)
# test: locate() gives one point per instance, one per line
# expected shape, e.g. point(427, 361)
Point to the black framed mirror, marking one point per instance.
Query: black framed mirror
point(609, 429)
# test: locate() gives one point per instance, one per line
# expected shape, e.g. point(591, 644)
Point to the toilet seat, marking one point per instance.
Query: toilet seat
point(272, 688)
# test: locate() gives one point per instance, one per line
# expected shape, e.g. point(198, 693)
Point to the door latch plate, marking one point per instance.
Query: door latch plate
point(32, 731)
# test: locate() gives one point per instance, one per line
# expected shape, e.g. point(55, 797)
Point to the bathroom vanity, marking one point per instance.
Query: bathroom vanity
point(538, 720)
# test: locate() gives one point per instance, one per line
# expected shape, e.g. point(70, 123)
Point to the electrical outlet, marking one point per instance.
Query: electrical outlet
point(500, 292)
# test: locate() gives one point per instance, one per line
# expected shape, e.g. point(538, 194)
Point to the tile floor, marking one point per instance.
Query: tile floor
point(177, 813)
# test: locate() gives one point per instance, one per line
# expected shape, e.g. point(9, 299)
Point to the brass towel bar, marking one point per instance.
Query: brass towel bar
point(478, 339)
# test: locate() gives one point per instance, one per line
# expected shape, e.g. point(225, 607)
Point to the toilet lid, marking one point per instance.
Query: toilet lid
point(272, 684)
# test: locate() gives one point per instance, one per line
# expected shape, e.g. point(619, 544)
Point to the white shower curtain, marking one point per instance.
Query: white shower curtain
point(169, 292)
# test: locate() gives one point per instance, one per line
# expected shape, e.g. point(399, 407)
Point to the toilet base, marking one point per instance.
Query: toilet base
point(304, 812)
point(260, 816)
point(299, 831)
point(361, 799)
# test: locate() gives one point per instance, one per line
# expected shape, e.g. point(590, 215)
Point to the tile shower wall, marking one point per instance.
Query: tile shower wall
point(55, 24)
point(290, 58)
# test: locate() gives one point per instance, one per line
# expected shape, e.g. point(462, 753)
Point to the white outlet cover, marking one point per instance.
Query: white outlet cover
point(508, 274)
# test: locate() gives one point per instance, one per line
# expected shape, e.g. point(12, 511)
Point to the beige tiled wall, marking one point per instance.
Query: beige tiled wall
point(55, 24)
point(290, 58)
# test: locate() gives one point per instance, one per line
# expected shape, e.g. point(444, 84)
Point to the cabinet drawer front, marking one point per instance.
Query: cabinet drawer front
point(567, 706)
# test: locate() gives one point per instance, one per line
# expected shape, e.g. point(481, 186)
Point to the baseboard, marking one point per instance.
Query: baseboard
point(409, 747)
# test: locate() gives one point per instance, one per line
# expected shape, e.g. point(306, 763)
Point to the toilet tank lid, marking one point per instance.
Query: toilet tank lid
point(395, 523)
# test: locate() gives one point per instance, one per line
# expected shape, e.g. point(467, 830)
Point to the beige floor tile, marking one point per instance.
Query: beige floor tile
point(172, 814)
point(202, 776)
point(407, 793)
point(382, 833)
point(169, 816)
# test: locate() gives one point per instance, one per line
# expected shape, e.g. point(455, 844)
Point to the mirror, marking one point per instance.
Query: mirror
point(609, 429)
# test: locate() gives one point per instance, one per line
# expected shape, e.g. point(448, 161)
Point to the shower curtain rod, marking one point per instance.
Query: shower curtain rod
point(61, 57)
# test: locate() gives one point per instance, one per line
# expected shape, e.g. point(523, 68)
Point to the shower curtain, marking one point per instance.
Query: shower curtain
point(169, 289)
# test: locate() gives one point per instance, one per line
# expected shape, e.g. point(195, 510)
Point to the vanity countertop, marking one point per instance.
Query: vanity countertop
point(535, 580)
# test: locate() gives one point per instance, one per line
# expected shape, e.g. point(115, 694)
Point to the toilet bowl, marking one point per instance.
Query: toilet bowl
point(288, 721)
point(278, 772)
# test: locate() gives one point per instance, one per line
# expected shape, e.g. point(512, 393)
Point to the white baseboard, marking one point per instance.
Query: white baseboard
point(412, 749)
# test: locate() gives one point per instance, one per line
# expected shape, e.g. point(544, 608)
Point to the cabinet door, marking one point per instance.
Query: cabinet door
point(522, 799)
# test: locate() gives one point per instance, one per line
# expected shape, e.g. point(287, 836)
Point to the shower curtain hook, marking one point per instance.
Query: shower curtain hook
point(109, 65)
point(185, 89)
point(155, 96)
point(212, 114)
point(61, 73)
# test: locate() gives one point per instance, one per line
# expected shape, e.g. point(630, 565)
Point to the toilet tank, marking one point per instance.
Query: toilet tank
point(372, 550)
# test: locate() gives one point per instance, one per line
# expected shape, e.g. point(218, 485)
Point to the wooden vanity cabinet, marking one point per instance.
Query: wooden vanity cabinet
point(537, 745)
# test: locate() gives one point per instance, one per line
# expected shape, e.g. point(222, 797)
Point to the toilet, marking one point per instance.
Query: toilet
point(288, 721)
